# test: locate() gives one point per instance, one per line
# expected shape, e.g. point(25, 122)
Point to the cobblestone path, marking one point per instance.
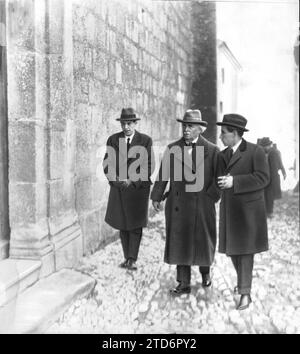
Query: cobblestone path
point(139, 302)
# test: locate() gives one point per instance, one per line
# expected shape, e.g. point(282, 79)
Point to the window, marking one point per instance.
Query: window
point(221, 107)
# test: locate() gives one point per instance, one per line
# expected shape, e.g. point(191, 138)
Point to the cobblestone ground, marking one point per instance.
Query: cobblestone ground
point(139, 302)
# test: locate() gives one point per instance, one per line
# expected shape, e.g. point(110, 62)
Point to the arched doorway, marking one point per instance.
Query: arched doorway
point(4, 222)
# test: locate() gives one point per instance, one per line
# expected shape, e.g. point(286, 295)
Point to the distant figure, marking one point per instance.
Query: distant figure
point(273, 189)
point(278, 193)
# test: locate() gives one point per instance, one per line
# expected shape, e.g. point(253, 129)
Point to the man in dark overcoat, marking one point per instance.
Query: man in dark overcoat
point(128, 165)
point(273, 189)
point(242, 176)
point(190, 213)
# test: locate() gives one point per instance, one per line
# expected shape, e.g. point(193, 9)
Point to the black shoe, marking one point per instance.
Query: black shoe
point(206, 280)
point(131, 264)
point(180, 290)
point(123, 264)
point(245, 301)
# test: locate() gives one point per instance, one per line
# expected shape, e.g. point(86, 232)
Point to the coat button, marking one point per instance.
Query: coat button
point(177, 193)
point(176, 208)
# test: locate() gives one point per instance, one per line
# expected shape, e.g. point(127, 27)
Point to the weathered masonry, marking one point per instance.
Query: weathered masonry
point(67, 68)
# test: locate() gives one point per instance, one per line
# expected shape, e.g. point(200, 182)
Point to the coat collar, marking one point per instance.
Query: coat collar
point(187, 160)
point(121, 143)
point(200, 142)
point(237, 155)
point(135, 140)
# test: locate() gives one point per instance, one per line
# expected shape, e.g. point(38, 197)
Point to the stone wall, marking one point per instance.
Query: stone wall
point(126, 53)
point(72, 66)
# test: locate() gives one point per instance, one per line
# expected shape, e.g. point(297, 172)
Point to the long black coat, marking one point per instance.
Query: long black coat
point(273, 189)
point(190, 216)
point(243, 224)
point(127, 209)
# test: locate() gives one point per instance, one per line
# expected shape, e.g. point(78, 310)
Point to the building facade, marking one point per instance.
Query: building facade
point(228, 69)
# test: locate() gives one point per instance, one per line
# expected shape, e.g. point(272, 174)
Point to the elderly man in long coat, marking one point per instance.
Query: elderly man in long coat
point(242, 176)
point(190, 213)
point(128, 165)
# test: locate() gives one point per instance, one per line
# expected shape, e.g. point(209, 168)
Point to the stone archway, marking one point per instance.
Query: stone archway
point(4, 222)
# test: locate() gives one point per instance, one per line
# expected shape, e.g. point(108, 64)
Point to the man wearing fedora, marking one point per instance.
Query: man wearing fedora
point(242, 176)
point(190, 214)
point(273, 189)
point(127, 208)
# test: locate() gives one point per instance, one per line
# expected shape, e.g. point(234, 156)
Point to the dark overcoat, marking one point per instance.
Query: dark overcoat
point(243, 224)
point(190, 216)
point(273, 189)
point(127, 208)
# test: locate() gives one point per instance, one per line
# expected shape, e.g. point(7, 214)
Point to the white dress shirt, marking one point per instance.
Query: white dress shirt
point(235, 147)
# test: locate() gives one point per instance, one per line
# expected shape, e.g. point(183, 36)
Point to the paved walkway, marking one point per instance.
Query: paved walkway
point(139, 302)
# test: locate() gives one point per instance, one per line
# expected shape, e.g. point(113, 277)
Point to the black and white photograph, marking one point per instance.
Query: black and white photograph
point(149, 169)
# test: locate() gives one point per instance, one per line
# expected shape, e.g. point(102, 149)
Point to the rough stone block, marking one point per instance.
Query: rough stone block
point(61, 196)
point(21, 87)
point(56, 27)
point(91, 232)
point(60, 89)
point(70, 249)
point(21, 30)
point(84, 194)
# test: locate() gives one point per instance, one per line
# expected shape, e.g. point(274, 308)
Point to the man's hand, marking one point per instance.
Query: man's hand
point(156, 205)
point(126, 183)
point(225, 182)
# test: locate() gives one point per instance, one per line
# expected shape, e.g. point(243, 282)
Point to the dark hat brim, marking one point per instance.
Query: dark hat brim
point(127, 119)
point(233, 126)
point(203, 122)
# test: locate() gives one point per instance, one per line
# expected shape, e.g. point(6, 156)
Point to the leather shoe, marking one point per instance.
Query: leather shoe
point(180, 290)
point(206, 280)
point(123, 264)
point(245, 301)
point(131, 264)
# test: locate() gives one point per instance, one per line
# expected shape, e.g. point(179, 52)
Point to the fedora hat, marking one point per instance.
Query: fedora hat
point(127, 115)
point(265, 141)
point(235, 121)
point(193, 116)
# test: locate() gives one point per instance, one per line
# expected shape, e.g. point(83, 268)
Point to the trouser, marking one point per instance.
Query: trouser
point(184, 273)
point(243, 265)
point(131, 242)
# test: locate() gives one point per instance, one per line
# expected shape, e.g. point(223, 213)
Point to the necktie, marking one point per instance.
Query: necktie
point(194, 157)
point(128, 147)
point(128, 144)
point(229, 155)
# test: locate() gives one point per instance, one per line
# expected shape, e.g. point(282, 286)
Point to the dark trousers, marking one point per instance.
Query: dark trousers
point(184, 273)
point(131, 242)
point(243, 265)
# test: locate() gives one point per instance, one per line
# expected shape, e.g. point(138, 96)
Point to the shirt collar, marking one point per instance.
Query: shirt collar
point(235, 147)
point(194, 141)
point(130, 137)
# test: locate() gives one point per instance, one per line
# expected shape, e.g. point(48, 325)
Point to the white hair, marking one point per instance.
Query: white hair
point(202, 128)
